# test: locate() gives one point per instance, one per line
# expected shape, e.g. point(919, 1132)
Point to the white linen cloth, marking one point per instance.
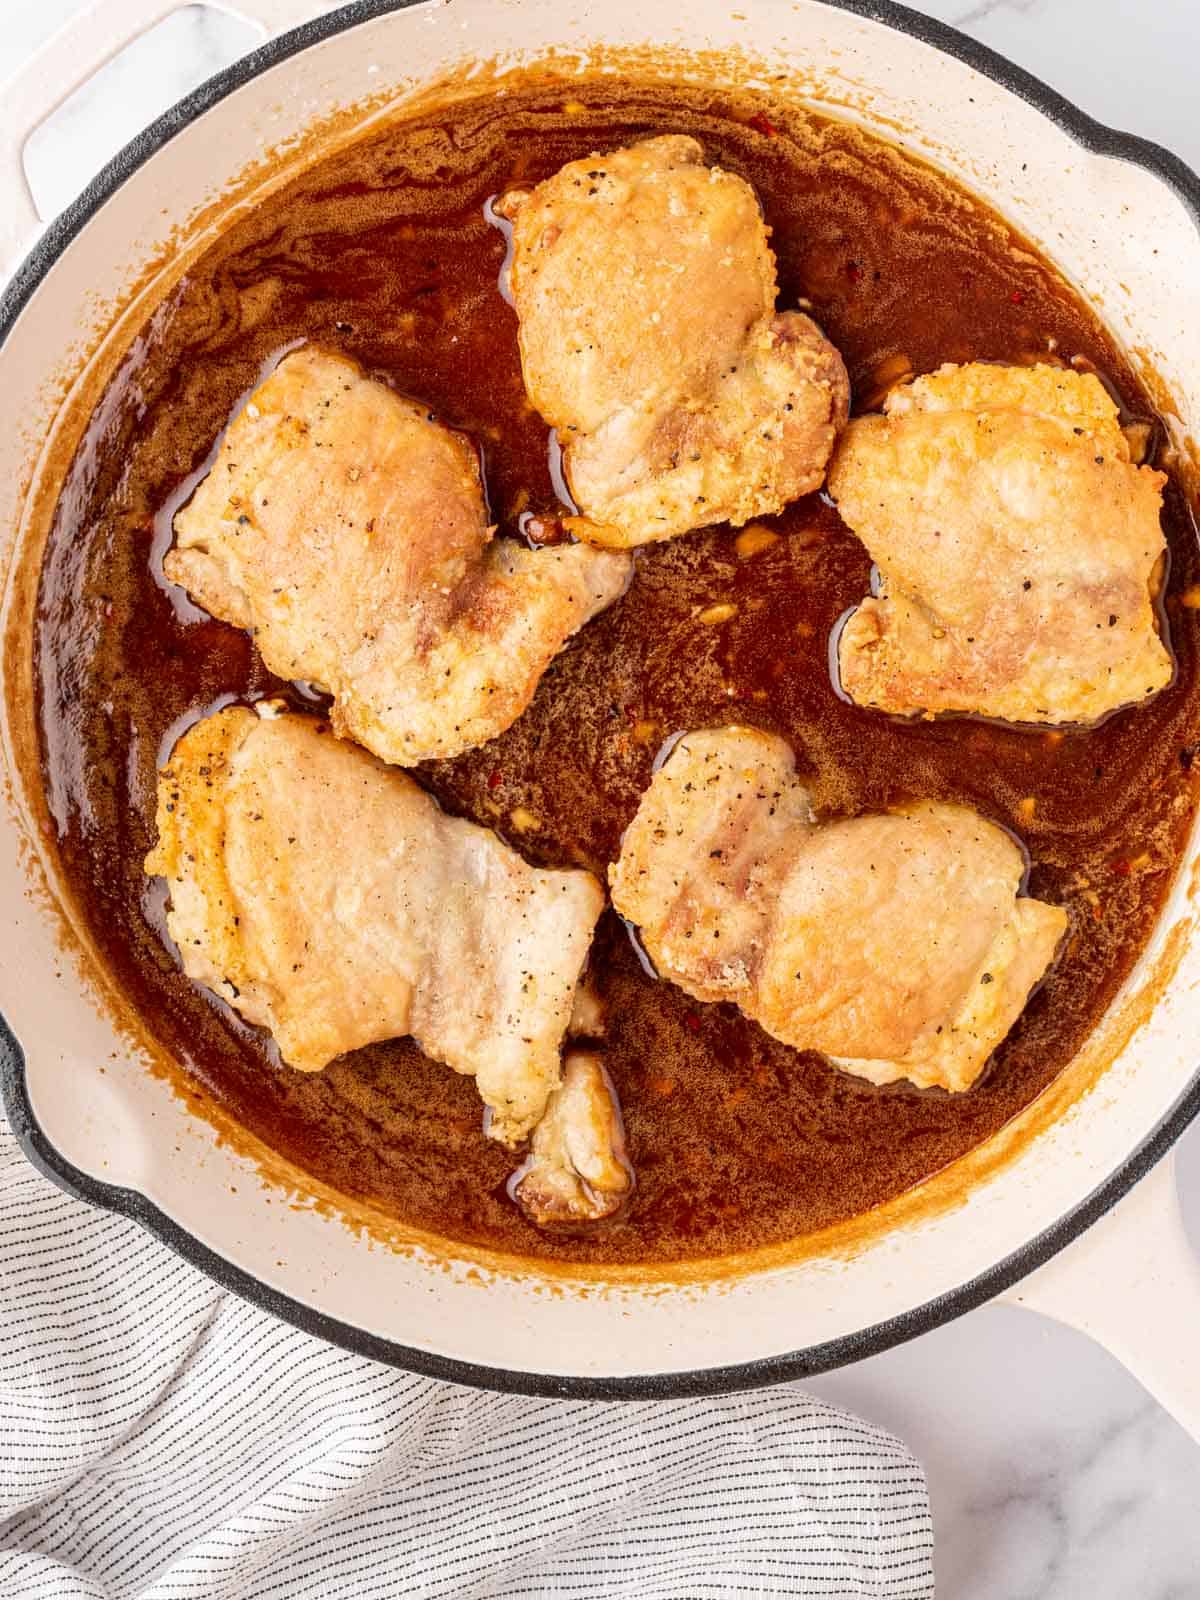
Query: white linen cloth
point(162, 1439)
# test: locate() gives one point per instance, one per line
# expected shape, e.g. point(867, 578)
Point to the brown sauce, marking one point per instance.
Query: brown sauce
point(385, 253)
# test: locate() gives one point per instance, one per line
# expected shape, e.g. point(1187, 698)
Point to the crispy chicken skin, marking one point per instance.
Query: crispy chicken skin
point(1018, 549)
point(347, 528)
point(645, 288)
point(896, 944)
point(328, 898)
point(577, 1170)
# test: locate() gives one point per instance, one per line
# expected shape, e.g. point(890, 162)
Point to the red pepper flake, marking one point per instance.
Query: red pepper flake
point(1017, 297)
point(691, 1022)
point(496, 779)
point(763, 124)
point(853, 271)
point(1140, 863)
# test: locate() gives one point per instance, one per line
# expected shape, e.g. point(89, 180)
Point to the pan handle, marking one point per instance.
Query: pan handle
point(67, 60)
point(1132, 1283)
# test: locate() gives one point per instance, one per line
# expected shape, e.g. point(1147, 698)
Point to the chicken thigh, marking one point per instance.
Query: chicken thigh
point(645, 288)
point(1019, 549)
point(347, 528)
point(328, 898)
point(897, 945)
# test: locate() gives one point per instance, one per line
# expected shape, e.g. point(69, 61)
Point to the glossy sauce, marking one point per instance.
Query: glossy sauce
point(387, 253)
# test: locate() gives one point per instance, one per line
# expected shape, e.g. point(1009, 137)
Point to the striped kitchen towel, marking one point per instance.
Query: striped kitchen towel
point(160, 1438)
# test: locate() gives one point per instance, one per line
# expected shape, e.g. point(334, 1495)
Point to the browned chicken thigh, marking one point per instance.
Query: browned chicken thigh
point(898, 944)
point(1018, 547)
point(327, 898)
point(347, 528)
point(645, 288)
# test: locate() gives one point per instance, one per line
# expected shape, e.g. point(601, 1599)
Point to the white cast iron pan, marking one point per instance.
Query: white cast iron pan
point(1120, 217)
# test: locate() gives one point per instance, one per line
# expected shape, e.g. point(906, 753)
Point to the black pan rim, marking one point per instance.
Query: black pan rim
point(1092, 136)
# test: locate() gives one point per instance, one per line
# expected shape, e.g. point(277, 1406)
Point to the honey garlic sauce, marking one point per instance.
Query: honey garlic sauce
point(386, 253)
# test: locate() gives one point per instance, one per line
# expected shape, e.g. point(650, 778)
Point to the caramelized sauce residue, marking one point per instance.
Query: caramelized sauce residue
point(387, 253)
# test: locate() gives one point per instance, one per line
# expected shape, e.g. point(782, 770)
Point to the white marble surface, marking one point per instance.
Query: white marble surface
point(1054, 1476)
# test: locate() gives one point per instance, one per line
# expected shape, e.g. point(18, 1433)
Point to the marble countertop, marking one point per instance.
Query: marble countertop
point(1053, 1475)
